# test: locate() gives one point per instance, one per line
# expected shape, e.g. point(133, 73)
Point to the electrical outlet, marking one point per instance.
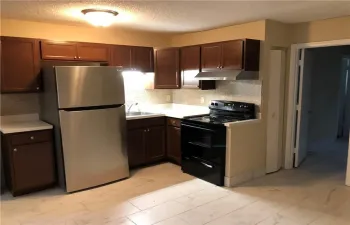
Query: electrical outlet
point(202, 100)
point(168, 98)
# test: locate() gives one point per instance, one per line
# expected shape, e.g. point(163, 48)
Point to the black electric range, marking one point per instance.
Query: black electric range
point(203, 139)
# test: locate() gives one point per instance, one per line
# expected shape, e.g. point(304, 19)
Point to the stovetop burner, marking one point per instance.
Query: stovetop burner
point(225, 112)
point(214, 119)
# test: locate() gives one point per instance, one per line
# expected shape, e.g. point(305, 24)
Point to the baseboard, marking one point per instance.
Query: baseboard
point(244, 177)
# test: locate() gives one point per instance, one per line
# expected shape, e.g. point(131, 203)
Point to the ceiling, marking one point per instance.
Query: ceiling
point(176, 16)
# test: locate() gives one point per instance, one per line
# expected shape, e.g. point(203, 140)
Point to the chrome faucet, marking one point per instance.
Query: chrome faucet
point(133, 104)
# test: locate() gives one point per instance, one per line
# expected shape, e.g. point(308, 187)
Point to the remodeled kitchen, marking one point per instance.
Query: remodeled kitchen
point(174, 112)
point(103, 110)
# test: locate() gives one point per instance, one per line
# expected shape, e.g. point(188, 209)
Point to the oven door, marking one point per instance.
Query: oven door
point(203, 151)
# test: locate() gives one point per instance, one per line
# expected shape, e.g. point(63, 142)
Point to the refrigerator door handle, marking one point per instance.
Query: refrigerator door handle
point(77, 109)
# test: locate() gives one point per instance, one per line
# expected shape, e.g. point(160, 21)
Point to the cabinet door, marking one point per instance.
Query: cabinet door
point(136, 147)
point(190, 66)
point(20, 65)
point(167, 68)
point(232, 54)
point(58, 50)
point(33, 166)
point(155, 143)
point(174, 143)
point(142, 59)
point(92, 52)
point(121, 56)
point(211, 57)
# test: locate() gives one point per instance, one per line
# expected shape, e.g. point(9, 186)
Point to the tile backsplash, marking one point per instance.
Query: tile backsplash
point(14, 104)
point(148, 96)
point(246, 91)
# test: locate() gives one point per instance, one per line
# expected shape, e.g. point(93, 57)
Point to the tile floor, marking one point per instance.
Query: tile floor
point(314, 194)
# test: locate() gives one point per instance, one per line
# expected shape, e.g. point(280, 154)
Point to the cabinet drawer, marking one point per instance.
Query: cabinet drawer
point(174, 122)
point(148, 122)
point(31, 137)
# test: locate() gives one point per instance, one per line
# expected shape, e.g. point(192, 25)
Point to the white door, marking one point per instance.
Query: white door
point(275, 111)
point(303, 106)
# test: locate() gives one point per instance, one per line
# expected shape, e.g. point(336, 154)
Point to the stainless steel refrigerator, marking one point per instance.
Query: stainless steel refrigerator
point(86, 106)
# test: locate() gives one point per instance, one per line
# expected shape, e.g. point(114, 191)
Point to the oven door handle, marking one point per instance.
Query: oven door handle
point(200, 128)
point(207, 165)
point(203, 163)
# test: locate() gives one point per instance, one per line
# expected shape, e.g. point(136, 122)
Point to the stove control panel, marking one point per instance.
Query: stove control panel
point(231, 105)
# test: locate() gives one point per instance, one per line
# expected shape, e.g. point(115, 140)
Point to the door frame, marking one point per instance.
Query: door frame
point(292, 91)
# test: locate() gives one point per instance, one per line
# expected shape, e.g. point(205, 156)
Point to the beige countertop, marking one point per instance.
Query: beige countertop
point(178, 111)
point(22, 123)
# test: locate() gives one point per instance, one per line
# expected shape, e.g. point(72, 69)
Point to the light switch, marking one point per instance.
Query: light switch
point(168, 98)
point(202, 100)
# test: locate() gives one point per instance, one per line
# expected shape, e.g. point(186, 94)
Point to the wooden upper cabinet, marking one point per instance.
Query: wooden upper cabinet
point(211, 57)
point(251, 55)
point(167, 68)
point(121, 56)
point(142, 59)
point(190, 67)
point(93, 52)
point(58, 50)
point(20, 65)
point(74, 51)
point(232, 55)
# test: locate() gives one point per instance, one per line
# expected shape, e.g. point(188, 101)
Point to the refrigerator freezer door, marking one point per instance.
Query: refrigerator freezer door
point(85, 86)
point(94, 147)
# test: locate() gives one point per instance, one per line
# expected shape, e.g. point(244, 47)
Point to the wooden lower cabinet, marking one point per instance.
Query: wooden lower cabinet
point(146, 141)
point(136, 147)
point(155, 143)
point(174, 143)
point(28, 166)
point(33, 165)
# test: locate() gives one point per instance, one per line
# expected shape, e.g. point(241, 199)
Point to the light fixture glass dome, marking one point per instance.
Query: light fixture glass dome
point(100, 17)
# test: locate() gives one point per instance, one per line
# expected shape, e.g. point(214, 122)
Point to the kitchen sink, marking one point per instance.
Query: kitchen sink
point(138, 113)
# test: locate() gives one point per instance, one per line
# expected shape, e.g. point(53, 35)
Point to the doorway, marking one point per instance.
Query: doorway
point(318, 110)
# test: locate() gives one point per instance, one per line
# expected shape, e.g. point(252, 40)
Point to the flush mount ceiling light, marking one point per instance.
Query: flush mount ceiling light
point(99, 17)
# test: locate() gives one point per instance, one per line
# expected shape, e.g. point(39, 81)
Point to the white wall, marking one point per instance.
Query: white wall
point(325, 87)
point(247, 91)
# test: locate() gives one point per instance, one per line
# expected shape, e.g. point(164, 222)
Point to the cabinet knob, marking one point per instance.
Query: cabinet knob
point(218, 67)
point(145, 131)
point(79, 57)
point(15, 149)
point(75, 57)
point(37, 88)
point(32, 138)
